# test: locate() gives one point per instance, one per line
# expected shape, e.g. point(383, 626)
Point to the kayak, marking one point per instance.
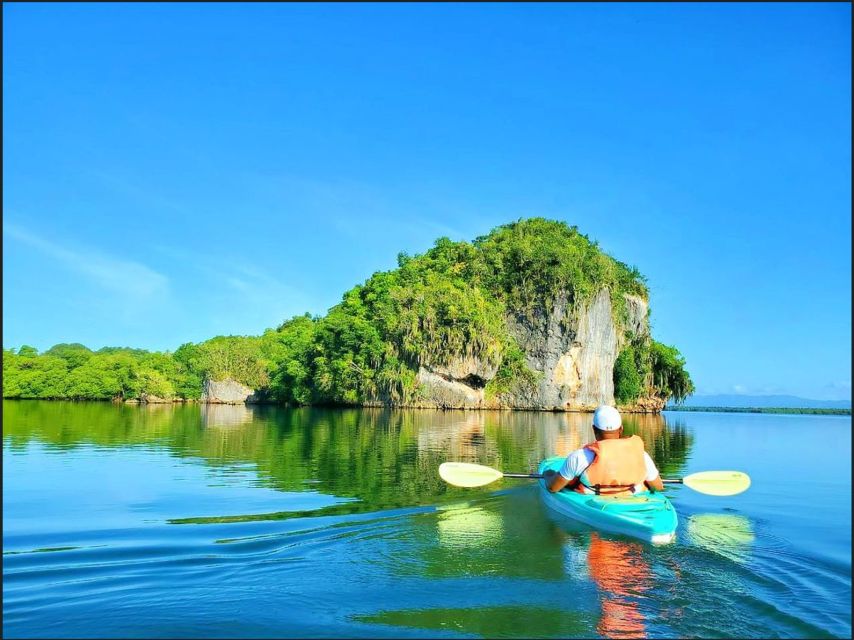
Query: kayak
point(646, 515)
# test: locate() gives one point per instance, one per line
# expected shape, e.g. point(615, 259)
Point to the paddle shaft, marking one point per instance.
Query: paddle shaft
point(538, 476)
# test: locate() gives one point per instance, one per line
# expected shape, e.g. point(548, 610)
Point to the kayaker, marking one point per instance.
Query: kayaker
point(609, 466)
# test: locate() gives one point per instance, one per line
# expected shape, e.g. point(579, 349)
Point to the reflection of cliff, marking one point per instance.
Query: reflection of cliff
point(461, 435)
point(226, 415)
point(385, 458)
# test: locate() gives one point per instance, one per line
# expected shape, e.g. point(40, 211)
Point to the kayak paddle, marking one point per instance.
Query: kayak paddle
point(713, 483)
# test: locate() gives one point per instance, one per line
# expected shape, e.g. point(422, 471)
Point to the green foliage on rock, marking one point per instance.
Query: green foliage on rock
point(628, 384)
point(670, 379)
point(240, 358)
point(513, 374)
point(646, 367)
point(530, 262)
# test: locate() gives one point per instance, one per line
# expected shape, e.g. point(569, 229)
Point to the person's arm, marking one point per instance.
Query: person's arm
point(557, 480)
point(655, 485)
point(653, 479)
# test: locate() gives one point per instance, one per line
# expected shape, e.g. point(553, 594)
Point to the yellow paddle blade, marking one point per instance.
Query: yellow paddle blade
point(465, 474)
point(718, 483)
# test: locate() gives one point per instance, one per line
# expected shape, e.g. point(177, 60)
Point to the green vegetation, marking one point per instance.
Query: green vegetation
point(784, 410)
point(628, 381)
point(645, 366)
point(74, 372)
point(447, 304)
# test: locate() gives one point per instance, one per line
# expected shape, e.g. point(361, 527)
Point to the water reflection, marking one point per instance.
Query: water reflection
point(508, 621)
point(226, 415)
point(466, 526)
point(381, 458)
point(481, 538)
point(726, 534)
point(619, 569)
point(617, 566)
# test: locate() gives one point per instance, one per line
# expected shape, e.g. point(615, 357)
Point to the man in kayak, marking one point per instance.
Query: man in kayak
point(611, 465)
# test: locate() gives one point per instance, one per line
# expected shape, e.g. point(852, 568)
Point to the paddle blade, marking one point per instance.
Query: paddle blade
point(464, 474)
point(718, 483)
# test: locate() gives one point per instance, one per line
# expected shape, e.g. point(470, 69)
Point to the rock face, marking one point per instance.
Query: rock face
point(645, 405)
point(446, 392)
point(455, 385)
point(572, 355)
point(227, 392)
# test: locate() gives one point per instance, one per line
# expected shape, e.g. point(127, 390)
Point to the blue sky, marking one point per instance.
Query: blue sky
point(173, 172)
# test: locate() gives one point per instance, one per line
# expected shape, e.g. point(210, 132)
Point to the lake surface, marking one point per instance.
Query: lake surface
point(185, 521)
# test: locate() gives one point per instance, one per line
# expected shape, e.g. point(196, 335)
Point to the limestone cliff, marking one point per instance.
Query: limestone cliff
point(227, 392)
point(572, 355)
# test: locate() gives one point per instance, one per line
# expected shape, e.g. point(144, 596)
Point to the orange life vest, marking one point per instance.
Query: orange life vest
point(617, 467)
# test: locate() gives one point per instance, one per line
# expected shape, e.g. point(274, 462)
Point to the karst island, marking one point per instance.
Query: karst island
point(533, 315)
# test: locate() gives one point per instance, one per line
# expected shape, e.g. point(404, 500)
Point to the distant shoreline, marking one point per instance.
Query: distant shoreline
point(790, 410)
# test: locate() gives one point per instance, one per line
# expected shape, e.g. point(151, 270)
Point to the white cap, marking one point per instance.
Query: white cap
point(606, 418)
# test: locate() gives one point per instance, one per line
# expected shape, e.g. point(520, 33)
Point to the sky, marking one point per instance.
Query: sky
point(173, 172)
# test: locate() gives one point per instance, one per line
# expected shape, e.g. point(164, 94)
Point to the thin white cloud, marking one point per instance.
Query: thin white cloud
point(256, 296)
point(140, 192)
point(757, 390)
point(357, 209)
point(117, 275)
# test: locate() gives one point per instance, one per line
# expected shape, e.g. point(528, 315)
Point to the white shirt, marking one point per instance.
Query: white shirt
point(577, 461)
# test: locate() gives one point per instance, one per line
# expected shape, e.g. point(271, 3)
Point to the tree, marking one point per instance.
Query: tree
point(290, 349)
point(670, 378)
point(628, 384)
point(75, 354)
point(26, 351)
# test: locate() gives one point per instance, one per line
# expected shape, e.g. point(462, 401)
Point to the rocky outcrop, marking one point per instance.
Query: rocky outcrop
point(573, 356)
point(227, 392)
point(637, 315)
point(571, 351)
point(147, 398)
point(458, 384)
point(447, 392)
point(469, 370)
point(644, 405)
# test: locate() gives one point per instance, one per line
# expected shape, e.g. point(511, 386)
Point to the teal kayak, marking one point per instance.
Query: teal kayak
point(645, 515)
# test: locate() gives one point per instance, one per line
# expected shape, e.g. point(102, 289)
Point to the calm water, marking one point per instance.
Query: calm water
point(260, 521)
